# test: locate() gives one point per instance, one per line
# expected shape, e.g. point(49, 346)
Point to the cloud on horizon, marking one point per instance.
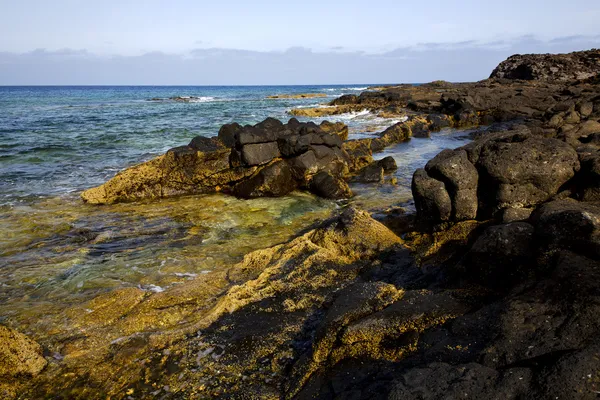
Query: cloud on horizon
point(423, 62)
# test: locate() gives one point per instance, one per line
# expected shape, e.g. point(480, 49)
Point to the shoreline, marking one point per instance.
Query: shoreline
point(497, 269)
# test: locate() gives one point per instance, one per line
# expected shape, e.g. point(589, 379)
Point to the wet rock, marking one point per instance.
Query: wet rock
point(360, 153)
point(19, 355)
point(438, 122)
point(388, 164)
point(370, 174)
point(328, 186)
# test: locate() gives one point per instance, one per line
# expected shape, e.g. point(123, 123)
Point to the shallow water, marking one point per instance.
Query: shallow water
point(56, 251)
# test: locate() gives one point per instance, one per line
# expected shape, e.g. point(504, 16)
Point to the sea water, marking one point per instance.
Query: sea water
point(56, 251)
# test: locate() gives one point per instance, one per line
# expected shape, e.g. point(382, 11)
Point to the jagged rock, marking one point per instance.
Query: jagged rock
point(551, 67)
point(372, 173)
point(207, 165)
point(337, 128)
point(328, 186)
point(360, 153)
point(397, 133)
point(19, 355)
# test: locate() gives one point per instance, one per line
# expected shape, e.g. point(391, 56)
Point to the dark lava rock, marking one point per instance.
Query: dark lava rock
point(571, 225)
point(228, 133)
point(260, 153)
point(206, 144)
point(388, 164)
point(550, 67)
point(501, 255)
point(275, 180)
point(328, 186)
point(505, 170)
point(372, 173)
point(460, 179)
point(432, 200)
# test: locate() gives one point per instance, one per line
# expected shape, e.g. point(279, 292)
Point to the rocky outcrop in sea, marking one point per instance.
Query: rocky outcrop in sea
point(490, 290)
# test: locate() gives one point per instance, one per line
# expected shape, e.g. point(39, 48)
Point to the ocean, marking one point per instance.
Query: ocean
point(57, 141)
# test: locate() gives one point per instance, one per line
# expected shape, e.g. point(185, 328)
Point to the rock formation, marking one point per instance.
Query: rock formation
point(492, 290)
point(267, 159)
point(550, 67)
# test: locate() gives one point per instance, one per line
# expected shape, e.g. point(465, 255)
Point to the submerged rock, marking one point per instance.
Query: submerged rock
point(19, 355)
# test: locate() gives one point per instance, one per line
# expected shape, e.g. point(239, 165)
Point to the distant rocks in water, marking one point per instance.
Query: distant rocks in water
point(185, 99)
point(296, 96)
point(267, 159)
point(575, 66)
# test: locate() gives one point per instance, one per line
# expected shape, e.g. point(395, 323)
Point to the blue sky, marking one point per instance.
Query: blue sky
point(280, 42)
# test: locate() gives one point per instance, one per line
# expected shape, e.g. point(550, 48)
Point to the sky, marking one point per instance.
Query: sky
point(280, 42)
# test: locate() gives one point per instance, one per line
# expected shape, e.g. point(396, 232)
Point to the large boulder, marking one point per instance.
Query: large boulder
point(275, 180)
point(503, 175)
point(328, 186)
point(550, 67)
point(570, 224)
point(460, 180)
point(525, 173)
point(432, 200)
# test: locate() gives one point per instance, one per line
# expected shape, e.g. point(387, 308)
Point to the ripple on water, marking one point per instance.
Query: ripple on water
point(59, 251)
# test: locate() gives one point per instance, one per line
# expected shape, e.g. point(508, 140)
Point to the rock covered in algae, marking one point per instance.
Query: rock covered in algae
point(19, 355)
point(239, 161)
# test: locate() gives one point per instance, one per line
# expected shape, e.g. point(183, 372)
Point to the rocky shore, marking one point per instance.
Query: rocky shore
point(490, 290)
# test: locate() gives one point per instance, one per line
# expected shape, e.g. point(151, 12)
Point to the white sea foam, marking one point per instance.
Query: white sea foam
point(354, 114)
point(346, 88)
point(185, 274)
point(202, 99)
point(152, 288)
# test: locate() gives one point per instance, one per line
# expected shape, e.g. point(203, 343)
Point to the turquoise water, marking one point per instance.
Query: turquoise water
point(56, 251)
point(57, 140)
